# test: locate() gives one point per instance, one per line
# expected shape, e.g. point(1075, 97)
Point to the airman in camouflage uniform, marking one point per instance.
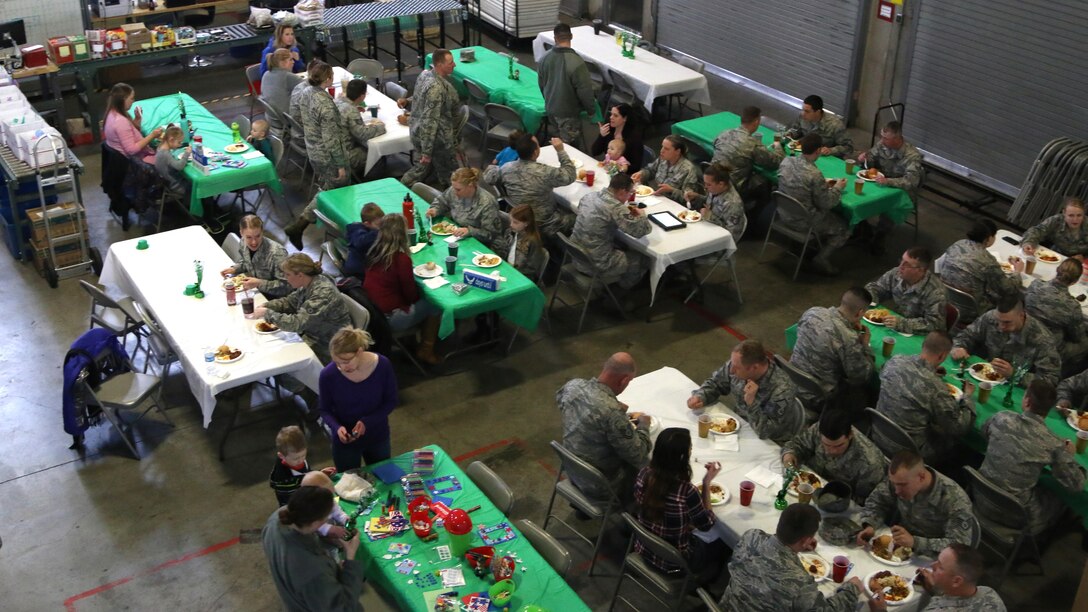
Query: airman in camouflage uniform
point(315, 312)
point(1020, 447)
point(1051, 304)
point(530, 182)
point(985, 599)
point(936, 515)
point(600, 214)
point(479, 213)
point(800, 179)
point(356, 133)
point(860, 465)
point(264, 263)
point(832, 345)
point(596, 428)
point(1073, 391)
point(725, 210)
point(763, 394)
point(919, 401)
point(300, 97)
point(1065, 232)
point(1028, 341)
point(741, 150)
point(815, 120)
point(918, 294)
point(969, 267)
point(324, 145)
point(433, 123)
point(671, 173)
point(765, 574)
point(898, 160)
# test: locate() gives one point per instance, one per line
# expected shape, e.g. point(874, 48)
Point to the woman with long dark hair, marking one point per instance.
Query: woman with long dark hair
point(623, 124)
point(671, 507)
point(121, 131)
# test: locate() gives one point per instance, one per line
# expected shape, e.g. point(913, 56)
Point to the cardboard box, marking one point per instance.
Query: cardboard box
point(65, 219)
point(34, 56)
point(96, 41)
point(67, 253)
point(185, 35)
point(138, 37)
point(116, 41)
point(60, 48)
point(46, 155)
point(80, 49)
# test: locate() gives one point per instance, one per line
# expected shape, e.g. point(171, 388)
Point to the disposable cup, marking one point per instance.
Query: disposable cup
point(888, 347)
point(984, 389)
point(704, 425)
point(1082, 441)
point(747, 488)
point(840, 565)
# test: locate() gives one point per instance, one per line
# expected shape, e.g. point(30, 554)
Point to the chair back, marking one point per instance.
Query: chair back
point(360, 317)
point(891, 438)
point(500, 114)
point(493, 486)
point(994, 503)
point(298, 133)
point(545, 259)
point(708, 600)
point(332, 229)
point(99, 298)
point(596, 75)
point(582, 471)
point(696, 153)
point(243, 125)
point(951, 316)
point(253, 79)
point(622, 90)
point(232, 245)
point(654, 544)
point(463, 116)
point(578, 254)
point(799, 417)
point(156, 339)
point(276, 123)
point(369, 69)
point(425, 191)
point(964, 302)
point(790, 209)
point(395, 90)
point(690, 62)
point(648, 155)
point(544, 543)
point(277, 150)
point(802, 380)
point(476, 93)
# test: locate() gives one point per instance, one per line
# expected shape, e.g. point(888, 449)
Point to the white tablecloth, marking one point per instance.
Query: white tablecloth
point(651, 76)
point(156, 277)
point(663, 248)
point(663, 394)
point(1044, 271)
point(395, 139)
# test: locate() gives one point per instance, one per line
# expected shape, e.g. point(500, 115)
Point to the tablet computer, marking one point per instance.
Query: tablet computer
point(666, 221)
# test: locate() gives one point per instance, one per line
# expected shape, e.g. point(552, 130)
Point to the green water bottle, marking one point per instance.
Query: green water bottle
point(235, 132)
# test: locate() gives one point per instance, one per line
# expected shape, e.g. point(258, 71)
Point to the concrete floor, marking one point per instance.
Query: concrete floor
point(102, 531)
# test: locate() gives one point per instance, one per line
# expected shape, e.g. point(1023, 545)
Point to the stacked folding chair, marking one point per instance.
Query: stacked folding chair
point(1060, 170)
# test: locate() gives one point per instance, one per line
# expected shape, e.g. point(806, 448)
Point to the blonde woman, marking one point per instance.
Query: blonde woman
point(357, 392)
point(390, 284)
point(260, 259)
point(314, 310)
point(283, 38)
point(475, 210)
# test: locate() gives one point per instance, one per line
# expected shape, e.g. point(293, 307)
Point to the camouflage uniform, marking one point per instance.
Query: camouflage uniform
point(985, 599)
point(862, 465)
point(766, 576)
point(1052, 231)
point(902, 167)
point(1033, 343)
point(1074, 389)
point(600, 214)
point(480, 214)
point(969, 267)
point(831, 130)
point(936, 517)
point(802, 180)
point(726, 210)
point(1020, 447)
point(300, 97)
point(829, 349)
point(264, 263)
point(773, 413)
point(595, 428)
point(568, 92)
point(355, 134)
point(681, 176)
point(1058, 311)
point(741, 151)
point(921, 306)
point(915, 398)
point(528, 181)
point(324, 143)
point(316, 313)
point(433, 128)
point(528, 254)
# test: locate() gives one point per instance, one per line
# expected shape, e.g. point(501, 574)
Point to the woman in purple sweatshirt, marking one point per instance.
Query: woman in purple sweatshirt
point(357, 392)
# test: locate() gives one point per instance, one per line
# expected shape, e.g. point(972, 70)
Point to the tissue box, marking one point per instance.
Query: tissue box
point(138, 37)
point(80, 49)
point(185, 35)
point(96, 41)
point(61, 50)
point(34, 56)
point(483, 281)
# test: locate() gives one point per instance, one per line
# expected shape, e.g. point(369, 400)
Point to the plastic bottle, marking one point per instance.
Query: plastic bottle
point(408, 208)
point(230, 288)
point(235, 132)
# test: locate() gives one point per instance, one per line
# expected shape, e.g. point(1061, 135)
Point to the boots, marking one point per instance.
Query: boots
point(821, 264)
point(294, 231)
point(428, 337)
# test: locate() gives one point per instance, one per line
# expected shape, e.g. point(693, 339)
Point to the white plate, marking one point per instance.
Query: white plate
point(1039, 252)
point(957, 393)
point(577, 162)
point(881, 559)
point(238, 147)
point(807, 557)
point(237, 287)
point(258, 330)
point(794, 145)
point(218, 360)
point(913, 593)
point(646, 195)
point(880, 323)
point(721, 418)
point(423, 272)
point(690, 216)
point(655, 425)
point(478, 258)
point(981, 378)
point(861, 175)
point(1072, 420)
point(792, 491)
point(436, 232)
point(721, 501)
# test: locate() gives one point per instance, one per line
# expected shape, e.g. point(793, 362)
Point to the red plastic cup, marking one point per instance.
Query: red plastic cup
point(746, 489)
point(590, 175)
point(332, 91)
point(839, 568)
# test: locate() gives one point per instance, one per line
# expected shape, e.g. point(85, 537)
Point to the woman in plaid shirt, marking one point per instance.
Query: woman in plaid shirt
point(671, 507)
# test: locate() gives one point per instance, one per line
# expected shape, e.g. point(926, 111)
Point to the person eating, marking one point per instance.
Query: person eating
point(918, 294)
point(831, 130)
point(1009, 338)
point(836, 450)
point(969, 267)
point(671, 174)
point(1064, 232)
point(260, 258)
point(474, 210)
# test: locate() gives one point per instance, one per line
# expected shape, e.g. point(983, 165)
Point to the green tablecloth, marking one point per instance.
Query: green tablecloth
point(491, 72)
point(216, 134)
point(874, 200)
point(912, 345)
point(519, 300)
point(539, 584)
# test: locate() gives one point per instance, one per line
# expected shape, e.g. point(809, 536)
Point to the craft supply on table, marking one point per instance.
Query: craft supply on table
point(496, 534)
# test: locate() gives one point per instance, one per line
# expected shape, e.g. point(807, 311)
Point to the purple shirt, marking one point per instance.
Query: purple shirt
point(344, 402)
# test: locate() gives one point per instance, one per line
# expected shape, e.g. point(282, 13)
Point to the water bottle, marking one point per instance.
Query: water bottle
point(235, 132)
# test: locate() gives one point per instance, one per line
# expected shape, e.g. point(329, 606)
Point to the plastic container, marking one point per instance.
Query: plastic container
point(459, 526)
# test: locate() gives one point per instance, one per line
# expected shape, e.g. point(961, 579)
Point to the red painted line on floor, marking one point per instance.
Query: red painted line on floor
point(716, 320)
point(70, 603)
point(494, 445)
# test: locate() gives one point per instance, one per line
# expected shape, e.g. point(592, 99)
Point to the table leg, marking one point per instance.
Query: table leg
point(232, 400)
point(421, 42)
point(699, 283)
point(396, 47)
point(442, 28)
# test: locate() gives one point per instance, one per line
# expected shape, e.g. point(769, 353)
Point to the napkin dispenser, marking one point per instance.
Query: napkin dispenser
point(483, 281)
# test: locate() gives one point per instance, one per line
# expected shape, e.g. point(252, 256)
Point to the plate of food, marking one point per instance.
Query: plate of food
point(226, 354)
point(876, 316)
point(690, 216)
point(1006, 267)
point(983, 371)
point(655, 424)
point(238, 281)
point(1078, 422)
point(954, 391)
point(443, 228)
point(870, 174)
point(724, 426)
point(427, 270)
point(1046, 255)
point(718, 494)
point(581, 176)
point(808, 477)
point(641, 191)
point(264, 327)
point(895, 589)
point(794, 145)
point(815, 565)
point(373, 121)
point(484, 260)
point(882, 549)
point(238, 147)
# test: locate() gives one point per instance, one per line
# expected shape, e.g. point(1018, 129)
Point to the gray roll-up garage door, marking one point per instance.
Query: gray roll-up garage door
point(992, 81)
point(797, 47)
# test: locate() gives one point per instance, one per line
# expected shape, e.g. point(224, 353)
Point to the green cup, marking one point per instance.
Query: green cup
point(141, 245)
point(190, 289)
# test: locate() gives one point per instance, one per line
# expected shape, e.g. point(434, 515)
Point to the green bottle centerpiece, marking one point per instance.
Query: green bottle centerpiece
point(780, 502)
point(1014, 380)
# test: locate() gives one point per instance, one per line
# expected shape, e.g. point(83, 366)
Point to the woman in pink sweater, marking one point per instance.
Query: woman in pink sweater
point(122, 132)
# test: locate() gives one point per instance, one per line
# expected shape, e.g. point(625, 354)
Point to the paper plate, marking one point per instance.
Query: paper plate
point(257, 328)
point(476, 261)
point(238, 147)
point(724, 433)
point(881, 559)
point(975, 370)
point(641, 188)
point(722, 499)
point(861, 175)
point(690, 216)
point(808, 558)
point(422, 272)
point(218, 360)
point(913, 593)
point(1072, 421)
point(438, 229)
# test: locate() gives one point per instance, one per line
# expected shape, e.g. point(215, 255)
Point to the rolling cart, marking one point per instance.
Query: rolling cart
point(66, 251)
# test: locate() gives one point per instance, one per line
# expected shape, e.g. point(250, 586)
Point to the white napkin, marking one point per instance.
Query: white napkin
point(729, 443)
point(436, 282)
point(763, 477)
point(452, 239)
point(287, 336)
point(254, 154)
point(417, 247)
point(218, 372)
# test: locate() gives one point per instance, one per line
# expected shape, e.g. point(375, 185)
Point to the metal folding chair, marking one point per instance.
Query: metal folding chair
point(795, 215)
point(370, 69)
point(888, 436)
point(232, 245)
point(477, 101)
point(557, 556)
point(126, 391)
point(622, 90)
point(360, 316)
point(253, 84)
point(158, 347)
point(117, 315)
point(668, 589)
point(600, 510)
point(277, 125)
point(426, 192)
point(501, 122)
point(493, 486)
point(583, 284)
point(964, 302)
point(1003, 522)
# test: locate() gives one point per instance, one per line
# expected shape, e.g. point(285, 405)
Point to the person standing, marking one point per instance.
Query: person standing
point(433, 123)
point(568, 90)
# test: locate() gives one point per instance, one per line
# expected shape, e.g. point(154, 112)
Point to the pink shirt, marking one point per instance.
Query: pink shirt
point(123, 136)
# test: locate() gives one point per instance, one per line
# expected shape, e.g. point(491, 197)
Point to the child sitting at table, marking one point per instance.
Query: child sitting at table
point(258, 137)
point(520, 244)
point(291, 466)
point(614, 161)
point(508, 154)
point(361, 237)
point(171, 168)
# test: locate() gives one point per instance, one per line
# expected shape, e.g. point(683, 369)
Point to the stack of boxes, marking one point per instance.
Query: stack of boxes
point(65, 222)
point(21, 127)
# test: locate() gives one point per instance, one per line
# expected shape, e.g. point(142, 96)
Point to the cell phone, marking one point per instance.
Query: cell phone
point(1011, 240)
